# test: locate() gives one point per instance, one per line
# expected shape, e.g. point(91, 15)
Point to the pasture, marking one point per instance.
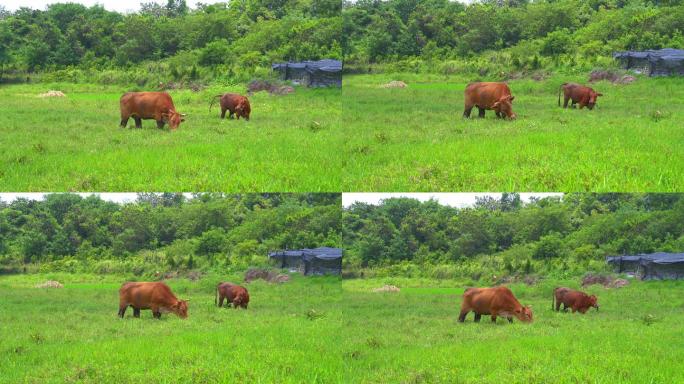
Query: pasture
point(75, 143)
point(413, 336)
point(415, 138)
point(289, 334)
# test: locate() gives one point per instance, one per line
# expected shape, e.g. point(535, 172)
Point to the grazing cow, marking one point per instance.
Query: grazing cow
point(489, 95)
point(237, 105)
point(149, 105)
point(585, 96)
point(235, 294)
point(577, 300)
point(497, 301)
point(155, 296)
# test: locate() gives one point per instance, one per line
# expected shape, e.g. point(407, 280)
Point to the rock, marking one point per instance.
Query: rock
point(52, 94)
point(394, 84)
point(50, 284)
point(387, 288)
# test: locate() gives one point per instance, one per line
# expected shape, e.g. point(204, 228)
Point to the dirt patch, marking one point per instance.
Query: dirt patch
point(387, 288)
point(605, 280)
point(612, 76)
point(271, 87)
point(50, 284)
point(52, 94)
point(394, 84)
point(194, 86)
point(264, 274)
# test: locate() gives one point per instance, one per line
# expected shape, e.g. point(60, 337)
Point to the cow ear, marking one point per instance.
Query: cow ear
point(511, 98)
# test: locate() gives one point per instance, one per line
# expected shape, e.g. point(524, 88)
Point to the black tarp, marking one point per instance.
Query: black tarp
point(653, 266)
point(662, 62)
point(316, 261)
point(322, 73)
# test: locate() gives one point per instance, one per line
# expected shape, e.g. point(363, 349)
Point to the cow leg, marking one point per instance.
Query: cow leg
point(156, 315)
point(499, 114)
point(136, 312)
point(565, 102)
point(462, 315)
point(223, 113)
point(510, 319)
point(581, 105)
point(493, 318)
point(230, 116)
point(565, 307)
point(124, 122)
point(466, 112)
point(160, 124)
point(558, 304)
point(122, 310)
point(477, 317)
point(480, 112)
point(221, 301)
point(138, 122)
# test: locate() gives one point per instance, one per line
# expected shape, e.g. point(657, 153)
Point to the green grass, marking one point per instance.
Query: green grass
point(75, 143)
point(74, 335)
point(413, 336)
point(415, 138)
point(353, 335)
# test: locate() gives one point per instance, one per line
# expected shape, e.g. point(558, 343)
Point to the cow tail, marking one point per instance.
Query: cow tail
point(212, 101)
point(559, 90)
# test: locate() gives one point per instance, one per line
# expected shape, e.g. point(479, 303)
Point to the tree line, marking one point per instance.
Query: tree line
point(223, 40)
point(67, 232)
point(505, 236)
point(496, 35)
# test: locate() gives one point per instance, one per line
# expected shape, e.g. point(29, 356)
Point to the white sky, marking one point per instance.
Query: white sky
point(112, 5)
point(457, 200)
point(115, 197)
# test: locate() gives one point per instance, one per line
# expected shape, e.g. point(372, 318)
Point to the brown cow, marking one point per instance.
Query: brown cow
point(489, 95)
point(237, 105)
point(577, 300)
point(149, 105)
point(497, 301)
point(155, 296)
point(235, 294)
point(585, 96)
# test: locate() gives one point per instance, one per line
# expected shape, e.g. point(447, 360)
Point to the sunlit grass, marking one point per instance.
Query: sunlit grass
point(414, 139)
point(75, 143)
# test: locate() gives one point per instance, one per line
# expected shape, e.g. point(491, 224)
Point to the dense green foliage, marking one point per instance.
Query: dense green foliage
point(158, 233)
point(289, 334)
point(506, 237)
point(493, 35)
point(226, 41)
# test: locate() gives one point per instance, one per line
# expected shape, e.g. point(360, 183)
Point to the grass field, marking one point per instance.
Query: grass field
point(415, 139)
point(75, 143)
point(321, 330)
point(74, 335)
point(413, 336)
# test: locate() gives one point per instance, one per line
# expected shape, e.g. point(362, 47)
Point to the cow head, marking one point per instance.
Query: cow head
point(505, 105)
point(180, 308)
point(593, 96)
point(173, 119)
point(593, 300)
point(524, 314)
point(243, 109)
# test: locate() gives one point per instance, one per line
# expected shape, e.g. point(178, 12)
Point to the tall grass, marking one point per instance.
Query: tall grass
point(416, 139)
point(75, 143)
point(73, 334)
